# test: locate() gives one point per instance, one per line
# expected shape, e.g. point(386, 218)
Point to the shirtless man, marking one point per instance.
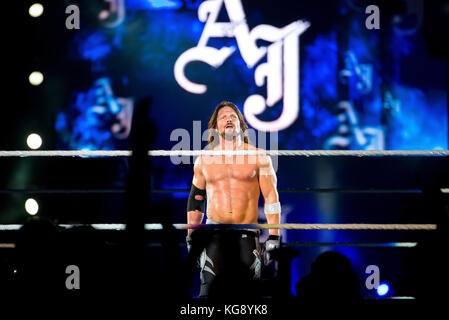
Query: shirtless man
point(232, 186)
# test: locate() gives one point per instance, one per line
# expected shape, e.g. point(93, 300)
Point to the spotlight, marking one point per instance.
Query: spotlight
point(382, 289)
point(34, 141)
point(31, 206)
point(36, 10)
point(36, 78)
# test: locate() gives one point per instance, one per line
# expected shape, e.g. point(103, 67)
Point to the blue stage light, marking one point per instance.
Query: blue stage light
point(165, 4)
point(382, 289)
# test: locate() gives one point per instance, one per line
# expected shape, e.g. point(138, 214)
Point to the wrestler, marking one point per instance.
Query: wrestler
point(232, 186)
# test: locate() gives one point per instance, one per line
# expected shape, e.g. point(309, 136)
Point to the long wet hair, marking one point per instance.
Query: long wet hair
point(212, 125)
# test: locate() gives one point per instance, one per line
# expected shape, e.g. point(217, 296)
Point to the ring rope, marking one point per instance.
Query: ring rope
point(288, 226)
point(287, 190)
point(297, 244)
point(351, 244)
point(313, 226)
point(156, 153)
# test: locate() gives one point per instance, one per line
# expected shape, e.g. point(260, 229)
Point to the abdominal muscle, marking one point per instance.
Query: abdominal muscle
point(233, 201)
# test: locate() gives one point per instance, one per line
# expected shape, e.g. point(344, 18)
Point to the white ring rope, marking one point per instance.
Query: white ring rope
point(301, 244)
point(313, 226)
point(289, 226)
point(156, 153)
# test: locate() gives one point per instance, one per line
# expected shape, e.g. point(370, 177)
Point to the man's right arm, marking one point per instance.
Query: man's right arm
point(197, 197)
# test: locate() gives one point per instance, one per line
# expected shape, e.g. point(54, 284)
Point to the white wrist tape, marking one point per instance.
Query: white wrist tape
point(272, 208)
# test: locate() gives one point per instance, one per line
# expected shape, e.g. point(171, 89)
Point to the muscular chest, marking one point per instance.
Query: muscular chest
point(220, 172)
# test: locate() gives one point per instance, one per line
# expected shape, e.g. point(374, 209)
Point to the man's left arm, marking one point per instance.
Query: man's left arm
point(268, 182)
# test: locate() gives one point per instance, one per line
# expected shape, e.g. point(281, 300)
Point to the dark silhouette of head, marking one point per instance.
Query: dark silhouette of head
point(38, 250)
point(332, 278)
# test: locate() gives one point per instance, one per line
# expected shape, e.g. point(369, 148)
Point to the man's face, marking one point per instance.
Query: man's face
point(228, 124)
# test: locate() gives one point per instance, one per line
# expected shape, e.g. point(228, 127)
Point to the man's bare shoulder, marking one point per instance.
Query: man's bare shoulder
point(197, 165)
point(263, 160)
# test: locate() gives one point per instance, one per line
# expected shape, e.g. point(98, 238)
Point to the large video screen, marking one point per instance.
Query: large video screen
point(319, 74)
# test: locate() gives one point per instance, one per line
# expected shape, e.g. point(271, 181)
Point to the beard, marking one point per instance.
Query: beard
point(229, 136)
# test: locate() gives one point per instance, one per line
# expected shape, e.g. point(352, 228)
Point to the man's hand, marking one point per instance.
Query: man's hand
point(189, 243)
point(197, 242)
point(273, 242)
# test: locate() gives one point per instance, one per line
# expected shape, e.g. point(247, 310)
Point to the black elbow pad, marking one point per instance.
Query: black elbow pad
point(192, 203)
